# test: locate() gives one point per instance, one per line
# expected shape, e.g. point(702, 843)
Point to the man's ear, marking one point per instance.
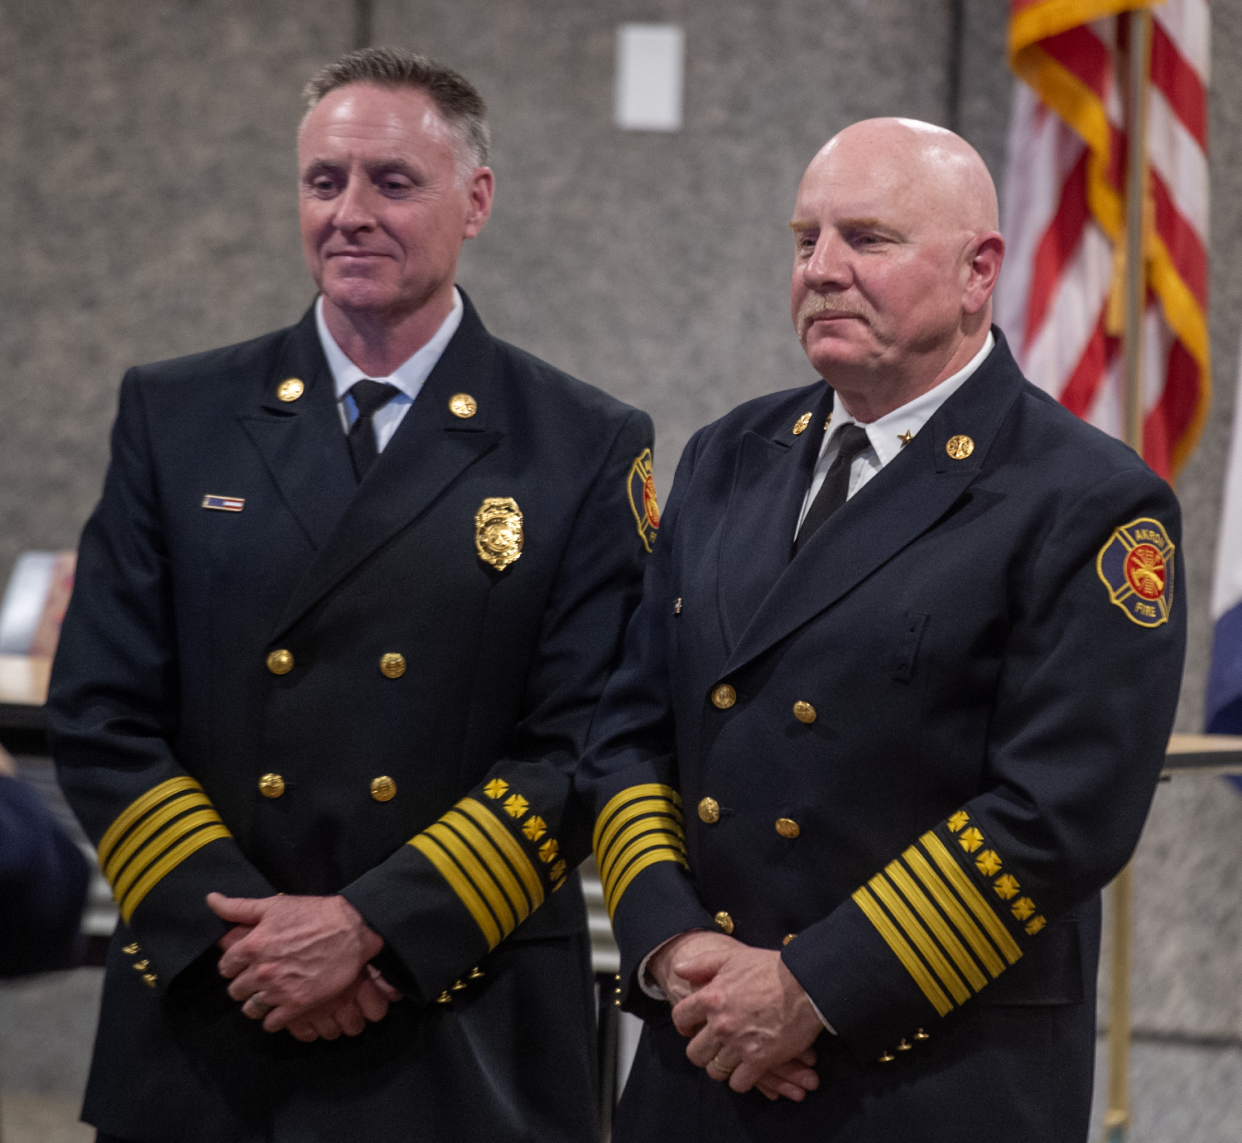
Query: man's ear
point(983, 259)
point(482, 189)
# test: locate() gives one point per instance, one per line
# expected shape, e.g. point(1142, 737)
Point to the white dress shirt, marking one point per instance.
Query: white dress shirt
point(888, 435)
point(408, 376)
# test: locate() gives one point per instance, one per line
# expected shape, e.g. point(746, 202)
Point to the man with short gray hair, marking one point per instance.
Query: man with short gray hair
point(340, 623)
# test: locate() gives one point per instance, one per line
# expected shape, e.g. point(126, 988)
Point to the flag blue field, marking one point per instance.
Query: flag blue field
point(1224, 690)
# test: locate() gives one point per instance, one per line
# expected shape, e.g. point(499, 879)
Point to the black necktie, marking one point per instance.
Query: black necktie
point(832, 493)
point(370, 396)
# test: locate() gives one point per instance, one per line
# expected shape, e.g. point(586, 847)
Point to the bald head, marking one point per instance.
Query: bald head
point(930, 163)
point(897, 257)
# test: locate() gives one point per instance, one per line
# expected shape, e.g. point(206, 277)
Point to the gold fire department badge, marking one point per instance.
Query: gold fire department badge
point(642, 490)
point(498, 531)
point(1136, 566)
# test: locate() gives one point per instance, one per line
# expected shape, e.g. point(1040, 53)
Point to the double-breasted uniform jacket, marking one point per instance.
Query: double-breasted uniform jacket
point(273, 679)
point(908, 757)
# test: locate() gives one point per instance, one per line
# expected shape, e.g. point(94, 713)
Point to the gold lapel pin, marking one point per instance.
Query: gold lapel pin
point(290, 389)
point(463, 405)
point(960, 447)
point(801, 424)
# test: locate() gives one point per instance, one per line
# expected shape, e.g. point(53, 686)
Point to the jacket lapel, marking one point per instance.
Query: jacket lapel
point(301, 441)
point(891, 511)
point(769, 485)
point(428, 452)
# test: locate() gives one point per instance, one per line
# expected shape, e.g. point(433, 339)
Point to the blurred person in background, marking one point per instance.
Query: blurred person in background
point(43, 881)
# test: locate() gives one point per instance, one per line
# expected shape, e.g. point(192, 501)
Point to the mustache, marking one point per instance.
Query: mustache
point(816, 304)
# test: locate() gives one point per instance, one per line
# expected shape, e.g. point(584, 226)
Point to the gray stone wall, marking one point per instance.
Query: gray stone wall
point(151, 212)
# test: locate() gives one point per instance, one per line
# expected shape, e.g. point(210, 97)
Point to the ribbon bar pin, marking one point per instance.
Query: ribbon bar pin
point(224, 503)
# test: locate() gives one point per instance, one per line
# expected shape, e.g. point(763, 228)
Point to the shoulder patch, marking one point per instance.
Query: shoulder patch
point(642, 490)
point(1136, 565)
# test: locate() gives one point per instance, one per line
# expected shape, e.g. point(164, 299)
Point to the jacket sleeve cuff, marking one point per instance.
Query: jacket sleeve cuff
point(463, 885)
point(161, 856)
point(919, 939)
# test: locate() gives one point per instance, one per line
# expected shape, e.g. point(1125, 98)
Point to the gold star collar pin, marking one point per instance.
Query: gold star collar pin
point(905, 437)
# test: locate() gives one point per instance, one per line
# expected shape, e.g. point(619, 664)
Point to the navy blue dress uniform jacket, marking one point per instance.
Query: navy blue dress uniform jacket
point(43, 879)
point(324, 687)
point(909, 757)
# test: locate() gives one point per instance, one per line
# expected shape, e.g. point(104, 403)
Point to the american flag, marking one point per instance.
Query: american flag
point(224, 503)
point(1060, 300)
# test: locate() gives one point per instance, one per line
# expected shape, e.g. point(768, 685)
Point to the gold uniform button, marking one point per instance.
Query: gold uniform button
point(709, 811)
point(280, 662)
point(960, 447)
point(804, 712)
point(920, 1036)
point(383, 788)
point(887, 1058)
point(131, 949)
point(290, 389)
point(149, 979)
point(724, 922)
point(787, 938)
point(392, 665)
point(271, 785)
point(787, 827)
point(723, 697)
point(463, 405)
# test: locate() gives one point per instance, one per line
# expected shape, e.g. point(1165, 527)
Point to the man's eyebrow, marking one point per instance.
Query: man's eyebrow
point(393, 164)
point(865, 224)
point(320, 165)
point(798, 224)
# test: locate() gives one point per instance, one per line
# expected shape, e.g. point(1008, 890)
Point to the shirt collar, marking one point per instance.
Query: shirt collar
point(888, 434)
point(410, 374)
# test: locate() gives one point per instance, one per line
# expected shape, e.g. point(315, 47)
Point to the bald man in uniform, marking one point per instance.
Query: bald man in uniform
point(892, 709)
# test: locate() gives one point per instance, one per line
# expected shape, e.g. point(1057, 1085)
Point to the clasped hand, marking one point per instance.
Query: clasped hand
point(749, 1021)
point(301, 963)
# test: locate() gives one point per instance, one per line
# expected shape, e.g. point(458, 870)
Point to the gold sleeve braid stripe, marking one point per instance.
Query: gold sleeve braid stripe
point(669, 830)
point(153, 835)
point(639, 827)
point(895, 941)
point(483, 864)
point(937, 923)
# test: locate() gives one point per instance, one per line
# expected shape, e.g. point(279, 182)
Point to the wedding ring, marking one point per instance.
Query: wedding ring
point(258, 1007)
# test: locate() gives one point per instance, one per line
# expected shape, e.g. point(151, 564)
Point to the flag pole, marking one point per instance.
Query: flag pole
point(1136, 185)
point(1117, 1117)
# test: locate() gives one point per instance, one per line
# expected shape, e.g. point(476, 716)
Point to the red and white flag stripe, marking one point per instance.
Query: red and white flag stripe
point(1062, 197)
